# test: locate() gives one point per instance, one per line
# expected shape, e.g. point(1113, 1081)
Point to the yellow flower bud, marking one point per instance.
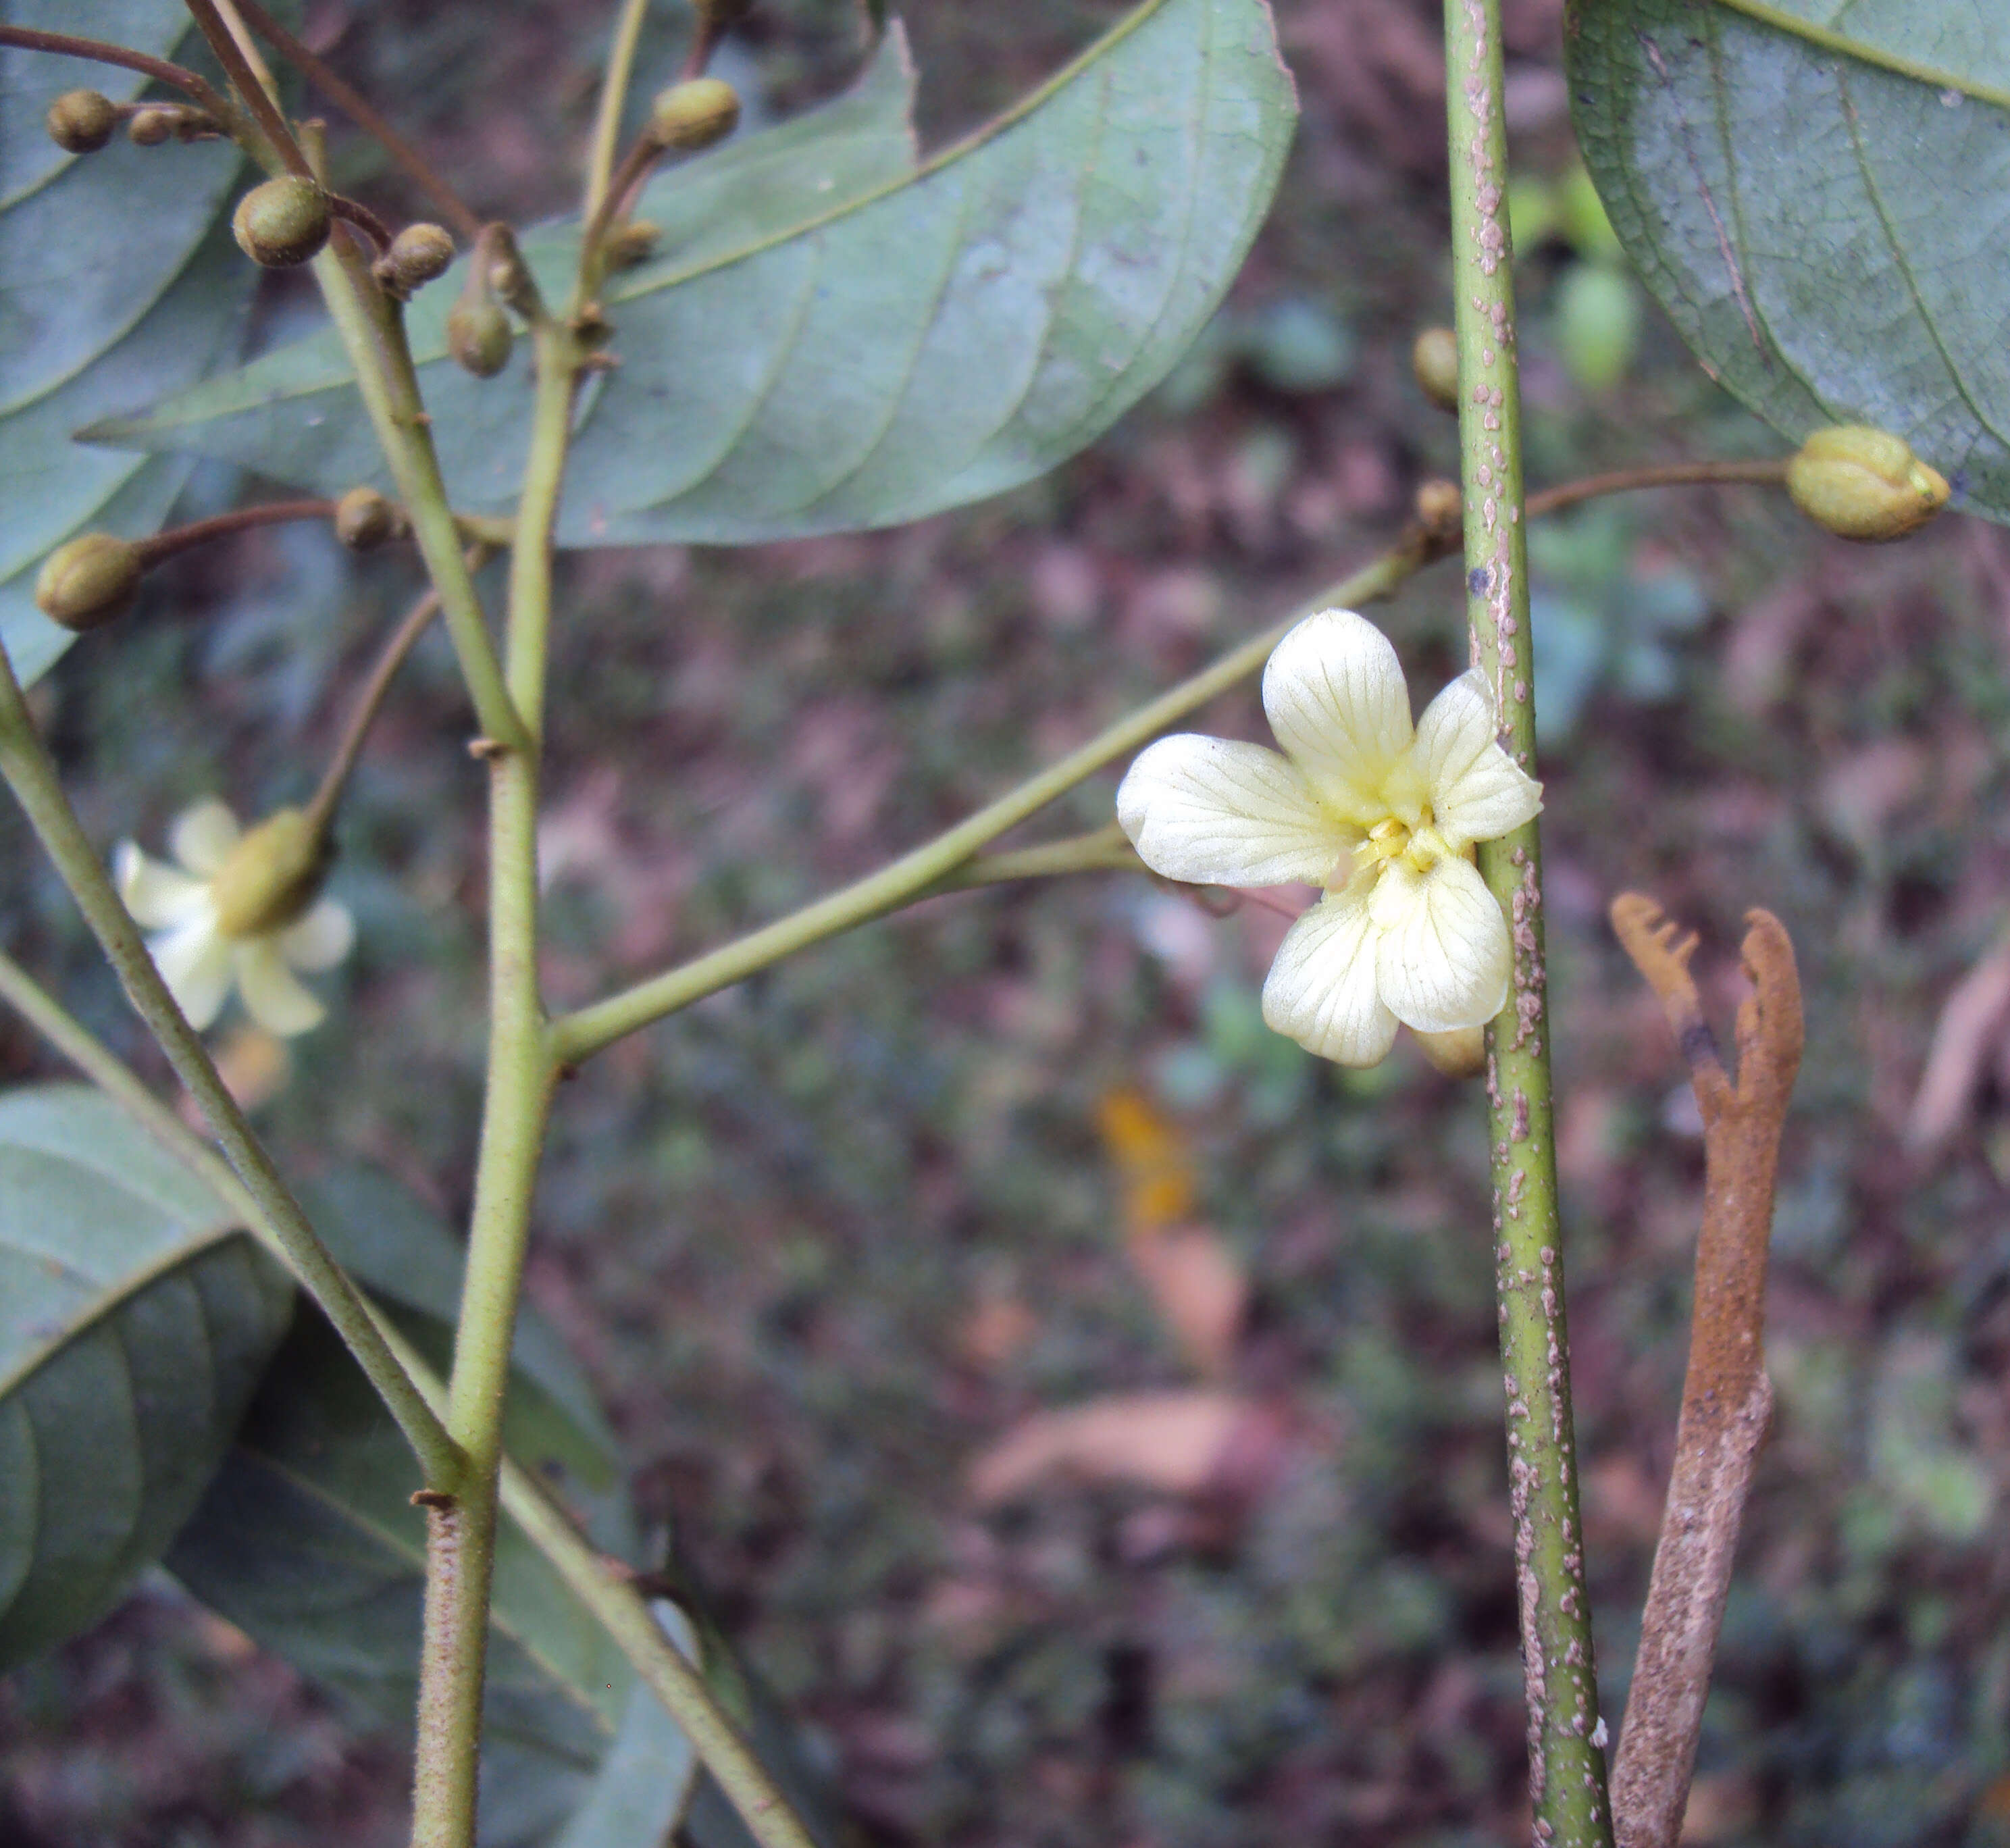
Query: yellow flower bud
point(151, 128)
point(1460, 1053)
point(478, 336)
point(364, 520)
point(694, 113)
point(272, 876)
point(631, 244)
point(1863, 483)
point(88, 580)
point(283, 223)
point(1434, 359)
point(418, 254)
point(81, 121)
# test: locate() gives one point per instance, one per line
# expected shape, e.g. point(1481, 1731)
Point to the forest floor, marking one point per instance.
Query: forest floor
point(1082, 1406)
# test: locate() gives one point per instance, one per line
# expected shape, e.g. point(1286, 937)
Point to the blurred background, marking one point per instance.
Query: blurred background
point(1082, 1405)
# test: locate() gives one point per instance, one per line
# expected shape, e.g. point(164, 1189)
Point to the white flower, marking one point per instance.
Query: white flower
point(1382, 817)
point(243, 911)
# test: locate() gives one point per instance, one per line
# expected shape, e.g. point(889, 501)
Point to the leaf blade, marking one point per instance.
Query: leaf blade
point(1849, 272)
point(938, 335)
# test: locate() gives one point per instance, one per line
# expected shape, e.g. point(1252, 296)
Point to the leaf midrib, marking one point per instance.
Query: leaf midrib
point(1845, 47)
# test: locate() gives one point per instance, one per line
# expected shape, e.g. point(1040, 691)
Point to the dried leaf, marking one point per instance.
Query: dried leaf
point(1171, 1441)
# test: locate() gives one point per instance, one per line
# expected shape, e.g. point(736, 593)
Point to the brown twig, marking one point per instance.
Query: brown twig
point(1664, 474)
point(244, 79)
point(460, 215)
point(63, 45)
point(1727, 1398)
point(177, 539)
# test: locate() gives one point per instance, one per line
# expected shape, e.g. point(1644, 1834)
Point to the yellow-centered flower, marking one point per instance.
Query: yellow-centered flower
point(1383, 816)
point(244, 909)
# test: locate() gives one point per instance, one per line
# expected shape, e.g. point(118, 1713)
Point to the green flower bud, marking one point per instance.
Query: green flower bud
point(418, 254)
point(283, 223)
point(364, 520)
point(1863, 483)
point(88, 580)
point(81, 121)
point(152, 127)
point(271, 876)
point(1434, 359)
point(478, 336)
point(694, 113)
point(631, 244)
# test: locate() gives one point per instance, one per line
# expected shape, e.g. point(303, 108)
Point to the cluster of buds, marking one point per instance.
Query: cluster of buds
point(83, 121)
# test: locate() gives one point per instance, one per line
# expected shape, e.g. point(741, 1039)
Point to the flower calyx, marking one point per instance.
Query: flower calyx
point(81, 121)
point(1864, 483)
point(270, 876)
point(90, 580)
point(696, 114)
point(283, 223)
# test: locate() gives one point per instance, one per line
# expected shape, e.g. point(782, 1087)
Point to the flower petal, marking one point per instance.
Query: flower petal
point(1321, 990)
point(1335, 696)
point(1216, 811)
point(1477, 791)
point(202, 836)
point(273, 994)
point(159, 897)
point(195, 963)
point(319, 938)
point(1442, 957)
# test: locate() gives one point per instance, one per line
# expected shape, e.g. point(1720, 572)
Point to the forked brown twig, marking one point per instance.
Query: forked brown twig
point(1727, 1398)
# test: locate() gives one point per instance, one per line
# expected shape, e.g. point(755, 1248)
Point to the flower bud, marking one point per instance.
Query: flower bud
point(631, 244)
point(81, 121)
point(478, 336)
point(1863, 483)
point(418, 254)
point(694, 113)
point(283, 223)
point(272, 876)
point(1434, 359)
point(151, 128)
point(88, 580)
point(1440, 507)
point(1460, 1053)
point(364, 520)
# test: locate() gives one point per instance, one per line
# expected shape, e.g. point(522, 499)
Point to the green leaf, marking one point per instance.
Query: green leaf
point(135, 1319)
point(118, 281)
point(1822, 209)
point(308, 1540)
point(828, 345)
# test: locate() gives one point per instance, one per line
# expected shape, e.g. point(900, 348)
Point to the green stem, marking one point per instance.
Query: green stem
point(1567, 1773)
point(613, 1601)
point(1107, 850)
point(521, 1070)
point(579, 1035)
point(32, 776)
point(607, 118)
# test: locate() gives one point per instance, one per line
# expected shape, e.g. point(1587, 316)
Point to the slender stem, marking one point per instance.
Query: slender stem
point(177, 539)
point(577, 1035)
point(1108, 850)
point(1567, 1779)
point(249, 82)
point(351, 211)
point(605, 1591)
point(29, 771)
point(635, 164)
point(1661, 474)
point(358, 107)
point(63, 44)
point(613, 100)
point(521, 1071)
point(397, 647)
point(556, 351)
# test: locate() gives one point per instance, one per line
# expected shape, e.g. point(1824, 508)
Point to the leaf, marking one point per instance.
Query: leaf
point(857, 351)
point(308, 1542)
point(645, 1781)
point(118, 281)
point(135, 1317)
point(1822, 209)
